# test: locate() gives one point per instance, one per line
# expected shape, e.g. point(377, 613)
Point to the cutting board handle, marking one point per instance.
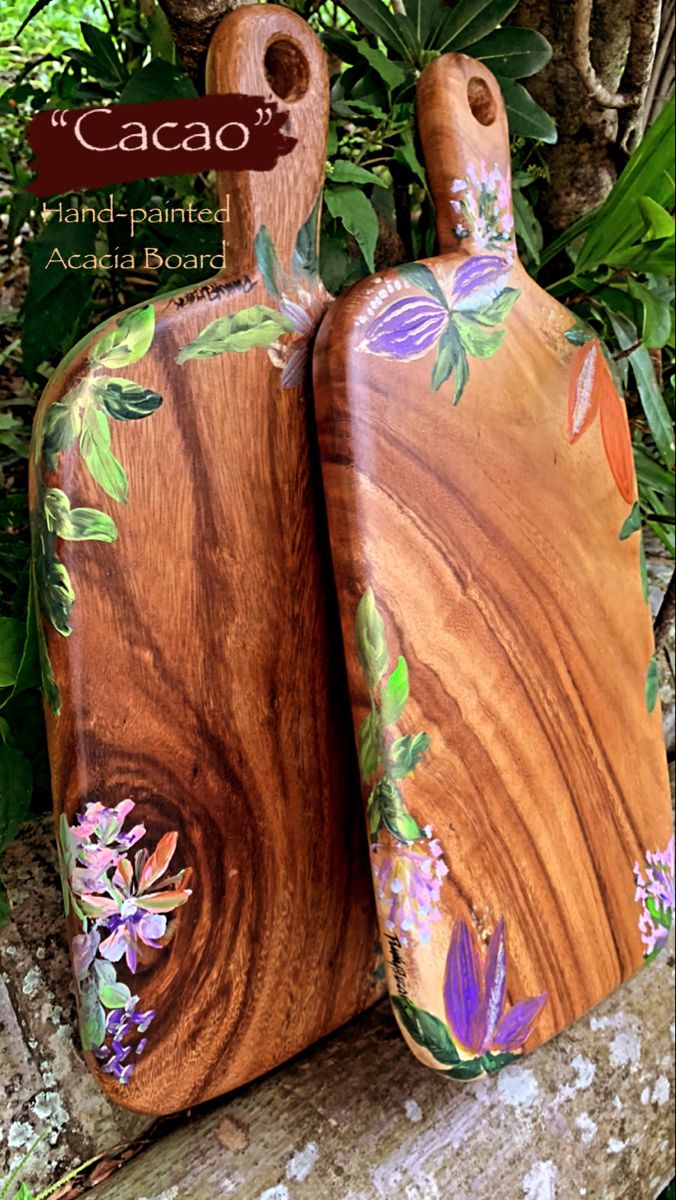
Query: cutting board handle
point(265, 50)
point(465, 140)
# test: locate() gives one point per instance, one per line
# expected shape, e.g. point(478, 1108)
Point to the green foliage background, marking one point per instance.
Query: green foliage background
point(614, 268)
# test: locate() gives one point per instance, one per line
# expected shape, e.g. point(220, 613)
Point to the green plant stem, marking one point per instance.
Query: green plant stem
point(13, 1175)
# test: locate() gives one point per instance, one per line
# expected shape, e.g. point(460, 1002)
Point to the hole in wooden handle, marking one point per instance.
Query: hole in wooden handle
point(287, 69)
point(480, 100)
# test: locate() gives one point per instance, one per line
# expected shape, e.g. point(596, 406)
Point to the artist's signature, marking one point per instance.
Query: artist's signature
point(397, 964)
point(214, 290)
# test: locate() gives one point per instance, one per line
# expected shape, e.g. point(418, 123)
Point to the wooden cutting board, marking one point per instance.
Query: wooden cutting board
point(201, 749)
point(486, 544)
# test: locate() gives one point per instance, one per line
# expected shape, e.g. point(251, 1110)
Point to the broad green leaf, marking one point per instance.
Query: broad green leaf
point(306, 250)
point(258, 326)
point(395, 30)
point(107, 65)
point(658, 224)
point(99, 458)
point(268, 263)
point(12, 638)
point(394, 814)
point(466, 22)
point(347, 172)
point(498, 310)
point(16, 786)
point(61, 428)
point(448, 355)
point(657, 315)
point(422, 277)
point(370, 638)
point(526, 117)
point(123, 399)
point(28, 667)
point(656, 258)
point(512, 52)
point(632, 523)
point(404, 754)
point(157, 80)
point(652, 683)
point(405, 153)
point(114, 995)
point(395, 693)
point(652, 473)
point(619, 221)
point(390, 72)
point(127, 342)
point(526, 225)
point(356, 213)
point(92, 1018)
point(369, 745)
point(478, 341)
point(426, 1030)
point(654, 407)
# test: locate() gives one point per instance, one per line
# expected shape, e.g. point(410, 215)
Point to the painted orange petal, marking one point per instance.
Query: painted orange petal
point(616, 436)
point(159, 860)
point(583, 392)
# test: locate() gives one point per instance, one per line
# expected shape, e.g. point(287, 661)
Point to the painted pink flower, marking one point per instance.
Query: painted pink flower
point(131, 910)
point(408, 886)
point(475, 996)
point(482, 204)
point(655, 893)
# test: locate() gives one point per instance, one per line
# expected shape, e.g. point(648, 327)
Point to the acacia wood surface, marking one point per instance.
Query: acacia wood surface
point(491, 545)
point(203, 677)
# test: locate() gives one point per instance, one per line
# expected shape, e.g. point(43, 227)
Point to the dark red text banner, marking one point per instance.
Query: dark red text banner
point(78, 148)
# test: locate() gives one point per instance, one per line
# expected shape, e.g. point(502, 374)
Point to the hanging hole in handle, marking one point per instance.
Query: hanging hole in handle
point(480, 100)
point(286, 69)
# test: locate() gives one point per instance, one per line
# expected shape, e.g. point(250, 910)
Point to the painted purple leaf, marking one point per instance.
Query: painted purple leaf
point(478, 281)
point(406, 329)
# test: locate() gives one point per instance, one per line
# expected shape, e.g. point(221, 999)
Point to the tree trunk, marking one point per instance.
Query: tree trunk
point(192, 23)
point(596, 87)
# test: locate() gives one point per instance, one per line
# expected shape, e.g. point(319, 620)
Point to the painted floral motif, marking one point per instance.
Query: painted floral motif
point(592, 393)
point(482, 203)
point(124, 907)
point(287, 330)
point(655, 893)
point(83, 416)
point(481, 1033)
point(459, 311)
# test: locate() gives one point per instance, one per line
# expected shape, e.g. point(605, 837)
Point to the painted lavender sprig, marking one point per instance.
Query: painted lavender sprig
point(655, 893)
point(481, 203)
point(124, 908)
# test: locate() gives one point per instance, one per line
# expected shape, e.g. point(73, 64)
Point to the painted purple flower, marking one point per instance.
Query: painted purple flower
point(121, 1024)
point(406, 329)
point(291, 354)
point(483, 201)
point(475, 996)
point(655, 892)
point(130, 910)
point(408, 885)
point(95, 843)
point(479, 281)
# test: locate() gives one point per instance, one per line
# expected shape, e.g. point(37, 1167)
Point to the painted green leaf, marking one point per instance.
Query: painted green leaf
point(498, 310)
point(426, 1030)
point(632, 523)
point(422, 277)
point(50, 688)
point(370, 636)
point(652, 683)
point(478, 341)
point(56, 593)
point(369, 751)
point(92, 1018)
point(394, 814)
point(16, 786)
point(242, 331)
point(99, 458)
point(127, 342)
point(495, 1062)
point(268, 262)
point(76, 524)
point(373, 813)
point(578, 335)
point(62, 427)
point(395, 693)
point(460, 376)
point(471, 1069)
point(306, 250)
point(405, 753)
point(448, 356)
point(125, 400)
point(114, 995)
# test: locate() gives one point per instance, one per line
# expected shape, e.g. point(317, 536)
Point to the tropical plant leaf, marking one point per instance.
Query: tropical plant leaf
point(395, 30)
point(12, 638)
point(632, 523)
point(356, 213)
point(390, 72)
point(467, 22)
point(513, 52)
point(654, 407)
point(526, 117)
point(652, 685)
point(657, 314)
point(127, 342)
point(16, 786)
point(258, 326)
point(306, 250)
point(347, 172)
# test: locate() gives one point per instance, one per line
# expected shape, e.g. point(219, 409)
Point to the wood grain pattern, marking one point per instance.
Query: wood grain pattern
point(491, 542)
point(203, 675)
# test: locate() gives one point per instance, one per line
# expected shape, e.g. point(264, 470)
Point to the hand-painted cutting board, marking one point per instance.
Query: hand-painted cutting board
point(487, 549)
point(202, 756)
